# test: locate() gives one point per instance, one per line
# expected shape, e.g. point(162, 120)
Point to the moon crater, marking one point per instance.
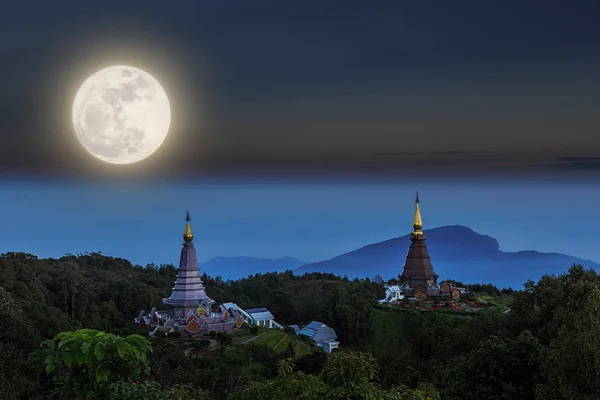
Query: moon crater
point(121, 115)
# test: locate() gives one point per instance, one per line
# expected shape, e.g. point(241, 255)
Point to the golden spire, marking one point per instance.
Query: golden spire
point(417, 222)
point(188, 236)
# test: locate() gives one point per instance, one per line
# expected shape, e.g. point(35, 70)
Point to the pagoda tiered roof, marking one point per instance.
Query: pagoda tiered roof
point(418, 265)
point(189, 290)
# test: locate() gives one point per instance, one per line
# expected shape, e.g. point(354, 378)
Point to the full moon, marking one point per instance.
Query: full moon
point(121, 115)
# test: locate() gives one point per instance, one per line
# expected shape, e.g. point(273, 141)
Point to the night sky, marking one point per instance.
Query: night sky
point(303, 128)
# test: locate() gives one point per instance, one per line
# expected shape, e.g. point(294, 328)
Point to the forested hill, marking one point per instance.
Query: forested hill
point(106, 293)
point(42, 297)
point(546, 347)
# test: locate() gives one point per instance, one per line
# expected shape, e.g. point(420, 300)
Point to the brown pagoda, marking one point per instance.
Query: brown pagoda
point(418, 278)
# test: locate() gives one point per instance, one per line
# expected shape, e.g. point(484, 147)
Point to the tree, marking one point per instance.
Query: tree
point(312, 363)
point(348, 375)
point(288, 385)
point(496, 369)
point(572, 364)
point(84, 363)
point(281, 305)
point(71, 279)
point(350, 369)
point(351, 313)
point(351, 375)
point(544, 307)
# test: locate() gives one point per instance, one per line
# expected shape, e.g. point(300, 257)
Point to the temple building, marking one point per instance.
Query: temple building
point(255, 316)
point(189, 310)
point(418, 280)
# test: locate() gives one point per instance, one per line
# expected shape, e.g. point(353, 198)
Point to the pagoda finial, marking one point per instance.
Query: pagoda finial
point(188, 236)
point(417, 222)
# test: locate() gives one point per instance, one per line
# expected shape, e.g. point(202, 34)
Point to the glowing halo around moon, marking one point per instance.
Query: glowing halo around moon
point(121, 114)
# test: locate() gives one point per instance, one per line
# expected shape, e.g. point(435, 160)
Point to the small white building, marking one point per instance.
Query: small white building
point(323, 336)
point(393, 293)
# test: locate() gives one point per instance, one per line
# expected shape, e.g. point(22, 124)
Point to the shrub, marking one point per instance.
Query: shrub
point(200, 344)
point(254, 329)
point(212, 334)
point(306, 339)
point(88, 361)
point(290, 330)
point(174, 334)
point(225, 339)
point(128, 390)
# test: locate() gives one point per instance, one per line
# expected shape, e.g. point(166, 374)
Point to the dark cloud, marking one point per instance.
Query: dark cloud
point(578, 159)
point(572, 163)
point(462, 153)
point(304, 87)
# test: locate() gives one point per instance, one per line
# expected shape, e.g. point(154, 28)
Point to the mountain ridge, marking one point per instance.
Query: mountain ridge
point(457, 252)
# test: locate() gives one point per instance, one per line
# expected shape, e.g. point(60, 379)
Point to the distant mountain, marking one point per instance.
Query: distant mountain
point(457, 252)
point(240, 267)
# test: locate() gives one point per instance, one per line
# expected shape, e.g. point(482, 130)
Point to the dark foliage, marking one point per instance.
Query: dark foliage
point(546, 347)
